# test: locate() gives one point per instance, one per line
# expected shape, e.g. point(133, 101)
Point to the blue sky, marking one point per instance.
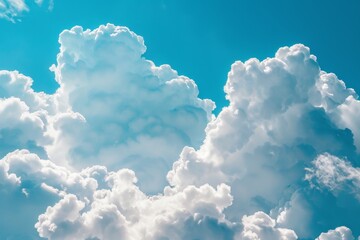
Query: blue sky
point(120, 139)
point(199, 40)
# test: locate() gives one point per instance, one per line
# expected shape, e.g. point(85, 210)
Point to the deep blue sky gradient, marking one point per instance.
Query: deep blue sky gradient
point(200, 39)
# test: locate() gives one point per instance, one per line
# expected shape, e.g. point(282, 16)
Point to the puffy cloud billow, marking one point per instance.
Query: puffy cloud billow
point(127, 111)
point(285, 144)
point(125, 149)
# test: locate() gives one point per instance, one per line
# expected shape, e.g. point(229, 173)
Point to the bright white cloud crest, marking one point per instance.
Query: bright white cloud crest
point(269, 166)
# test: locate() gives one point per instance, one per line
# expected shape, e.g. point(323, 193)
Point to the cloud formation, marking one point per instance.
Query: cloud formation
point(123, 211)
point(127, 111)
point(12, 10)
point(28, 185)
point(340, 233)
point(262, 226)
point(99, 204)
point(334, 174)
point(284, 112)
point(269, 166)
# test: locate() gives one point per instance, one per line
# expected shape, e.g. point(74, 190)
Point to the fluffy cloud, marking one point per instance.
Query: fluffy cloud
point(284, 112)
point(28, 185)
point(340, 233)
point(280, 162)
point(141, 118)
point(24, 115)
point(12, 10)
point(261, 226)
point(113, 108)
point(131, 113)
point(124, 211)
point(98, 204)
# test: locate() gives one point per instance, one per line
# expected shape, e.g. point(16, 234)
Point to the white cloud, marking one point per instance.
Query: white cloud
point(340, 233)
point(286, 146)
point(113, 108)
point(134, 114)
point(39, 2)
point(98, 204)
point(25, 115)
point(348, 114)
point(28, 185)
point(12, 10)
point(283, 113)
point(141, 118)
point(334, 174)
point(124, 211)
point(21, 128)
point(261, 226)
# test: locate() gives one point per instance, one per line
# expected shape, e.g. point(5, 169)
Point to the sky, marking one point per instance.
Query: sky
point(179, 119)
point(199, 40)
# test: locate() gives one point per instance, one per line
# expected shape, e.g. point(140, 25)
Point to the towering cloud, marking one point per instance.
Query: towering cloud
point(127, 111)
point(113, 108)
point(280, 162)
point(284, 112)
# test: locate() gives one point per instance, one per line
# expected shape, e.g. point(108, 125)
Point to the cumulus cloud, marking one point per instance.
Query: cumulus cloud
point(340, 233)
point(28, 185)
point(24, 115)
point(283, 113)
point(98, 204)
point(131, 113)
point(280, 162)
point(261, 226)
point(124, 211)
point(141, 118)
point(113, 107)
